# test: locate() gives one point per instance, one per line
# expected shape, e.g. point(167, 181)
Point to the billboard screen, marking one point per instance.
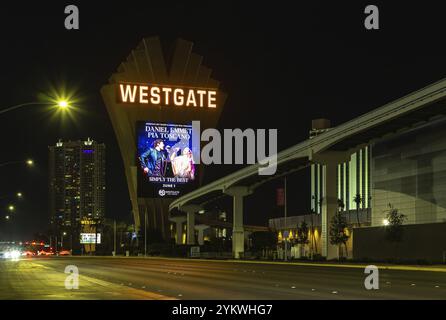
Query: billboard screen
point(90, 238)
point(166, 168)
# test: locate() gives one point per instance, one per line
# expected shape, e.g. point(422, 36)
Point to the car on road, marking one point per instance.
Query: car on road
point(28, 253)
point(64, 253)
point(45, 253)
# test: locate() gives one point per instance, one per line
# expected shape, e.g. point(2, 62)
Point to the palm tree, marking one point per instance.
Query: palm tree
point(358, 200)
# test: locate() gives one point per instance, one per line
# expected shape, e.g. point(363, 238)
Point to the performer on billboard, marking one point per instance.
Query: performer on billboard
point(183, 166)
point(154, 160)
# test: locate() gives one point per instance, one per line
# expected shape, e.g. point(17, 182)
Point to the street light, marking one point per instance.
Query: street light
point(7, 218)
point(60, 103)
point(28, 162)
point(18, 195)
point(11, 208)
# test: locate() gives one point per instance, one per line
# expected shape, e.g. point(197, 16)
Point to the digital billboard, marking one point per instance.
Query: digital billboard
point(166, 168)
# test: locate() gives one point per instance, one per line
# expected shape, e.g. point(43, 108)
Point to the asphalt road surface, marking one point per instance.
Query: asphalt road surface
point(153, 278)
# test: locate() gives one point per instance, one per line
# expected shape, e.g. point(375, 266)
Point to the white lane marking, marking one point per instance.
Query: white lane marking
point(293, 287)
point(313, 289)
point(334, 292)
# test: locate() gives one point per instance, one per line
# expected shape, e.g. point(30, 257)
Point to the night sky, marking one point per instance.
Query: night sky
point(280, 65)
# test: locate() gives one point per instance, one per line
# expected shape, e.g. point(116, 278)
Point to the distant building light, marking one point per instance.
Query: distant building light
point(88, 142)
point(88, 151)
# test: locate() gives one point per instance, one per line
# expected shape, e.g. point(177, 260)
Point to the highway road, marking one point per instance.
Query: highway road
point(158, 278)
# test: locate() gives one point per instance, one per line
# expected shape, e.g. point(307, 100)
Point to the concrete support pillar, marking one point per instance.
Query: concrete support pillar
point(330, 161)
point(179, 228)
point(201, 228)
point(329, 208)
point(190, 210)
point(190, 237)
point(238, 232)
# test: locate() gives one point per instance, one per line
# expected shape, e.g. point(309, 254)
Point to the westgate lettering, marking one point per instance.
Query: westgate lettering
point(167, 95)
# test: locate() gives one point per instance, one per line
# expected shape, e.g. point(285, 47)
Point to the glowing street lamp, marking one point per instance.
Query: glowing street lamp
point(19, 195)
point(11, 208)
point(59, 103)
point(7, 217)
point(63, 104)
point(386, 222)
point(28, 162)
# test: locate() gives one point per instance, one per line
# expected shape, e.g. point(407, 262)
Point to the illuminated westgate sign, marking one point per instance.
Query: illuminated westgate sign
point(167, 95)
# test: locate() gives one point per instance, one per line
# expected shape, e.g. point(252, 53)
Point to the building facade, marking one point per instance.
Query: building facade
point(76, 182)
point(409, 172)
point(353, 177)
point(405, 170)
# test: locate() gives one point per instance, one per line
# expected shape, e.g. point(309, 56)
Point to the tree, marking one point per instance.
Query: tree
point(302, 235)
point(358, 200)
point(394, 229)
point(338, 234)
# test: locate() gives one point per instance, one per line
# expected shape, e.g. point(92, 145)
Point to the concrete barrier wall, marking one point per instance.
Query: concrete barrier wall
point(420, 242)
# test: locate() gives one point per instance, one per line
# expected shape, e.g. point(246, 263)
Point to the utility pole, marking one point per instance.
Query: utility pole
point(145, 233)
point(114, 245)
point(285, 232)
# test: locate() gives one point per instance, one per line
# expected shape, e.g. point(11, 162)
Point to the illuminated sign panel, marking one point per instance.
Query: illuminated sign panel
point(166, 165)
point(90, 238)
point(160, 95)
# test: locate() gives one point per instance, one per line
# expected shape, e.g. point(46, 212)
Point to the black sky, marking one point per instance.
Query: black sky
point(281, 66)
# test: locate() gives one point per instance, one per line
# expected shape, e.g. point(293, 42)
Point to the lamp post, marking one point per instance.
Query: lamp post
point(61, 241)
point(19, 195)
point(285, 232)
point(61, 104)
point(28, 162)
